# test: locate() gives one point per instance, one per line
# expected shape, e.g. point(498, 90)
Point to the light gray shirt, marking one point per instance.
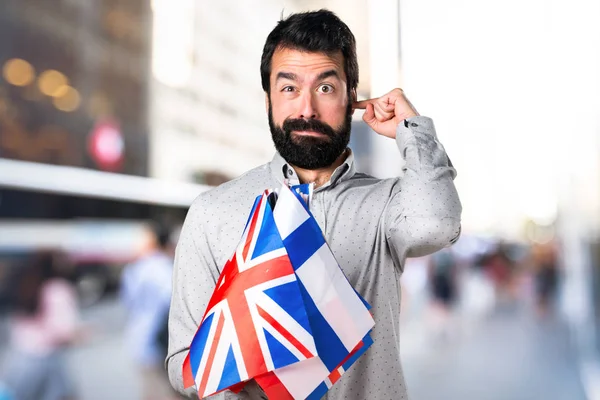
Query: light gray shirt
point(371, 225)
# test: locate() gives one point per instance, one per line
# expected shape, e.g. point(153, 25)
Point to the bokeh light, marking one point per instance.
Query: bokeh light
point(52, 83)
point(18, 72)
point(69, 99)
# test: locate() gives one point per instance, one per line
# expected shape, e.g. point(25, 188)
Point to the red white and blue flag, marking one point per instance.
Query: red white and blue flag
point(282, 312)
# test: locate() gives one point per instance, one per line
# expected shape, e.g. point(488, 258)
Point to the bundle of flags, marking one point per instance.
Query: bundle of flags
point(282, 312)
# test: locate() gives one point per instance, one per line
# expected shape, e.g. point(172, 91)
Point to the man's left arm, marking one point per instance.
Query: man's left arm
point(424, 215)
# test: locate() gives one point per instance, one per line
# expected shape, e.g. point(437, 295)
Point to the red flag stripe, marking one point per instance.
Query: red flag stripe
point(334, 376)
point(284, 332)
point(188, 376)
point(273, 387)
point(251, 229)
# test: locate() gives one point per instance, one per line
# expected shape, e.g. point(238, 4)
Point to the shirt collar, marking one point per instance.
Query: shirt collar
point(281, 170)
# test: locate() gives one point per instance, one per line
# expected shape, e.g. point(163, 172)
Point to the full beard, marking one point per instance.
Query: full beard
point(310, 152)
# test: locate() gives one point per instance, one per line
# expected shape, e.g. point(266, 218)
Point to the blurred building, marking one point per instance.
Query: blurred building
point(74, 84)
point(74, 135)
point(73, 92)
point(208, 119)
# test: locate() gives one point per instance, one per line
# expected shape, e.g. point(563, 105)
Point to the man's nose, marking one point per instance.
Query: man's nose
point(308, 109)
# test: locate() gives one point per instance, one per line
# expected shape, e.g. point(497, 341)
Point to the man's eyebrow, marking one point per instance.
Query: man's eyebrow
point(286, 75)
point(327, 74)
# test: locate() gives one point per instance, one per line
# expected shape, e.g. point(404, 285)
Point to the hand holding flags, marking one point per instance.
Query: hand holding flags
point(282, 312)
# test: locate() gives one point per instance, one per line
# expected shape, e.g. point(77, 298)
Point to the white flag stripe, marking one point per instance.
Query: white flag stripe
point(289, 213)
point(254, 238)
point(324, 281)
point(260, 334)
point(220, 356)
point(327, 300)
point(289, 323)
point(222, 283)
point(302, 378)
point(240, 248)
point(239, 251)
point(273, 282)
point(347, 295)
point(339, 315)
point(239, 257)
point(264, 257)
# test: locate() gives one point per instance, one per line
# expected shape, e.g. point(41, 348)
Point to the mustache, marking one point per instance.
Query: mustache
point(313, 125)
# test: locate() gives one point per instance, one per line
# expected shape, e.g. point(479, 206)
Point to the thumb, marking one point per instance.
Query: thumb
point(369, 116)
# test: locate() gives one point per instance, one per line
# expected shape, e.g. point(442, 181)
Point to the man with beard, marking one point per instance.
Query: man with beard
point(309, 74)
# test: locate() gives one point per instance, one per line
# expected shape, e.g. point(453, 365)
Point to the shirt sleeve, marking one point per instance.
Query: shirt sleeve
point(194, 279)
point(424, 215)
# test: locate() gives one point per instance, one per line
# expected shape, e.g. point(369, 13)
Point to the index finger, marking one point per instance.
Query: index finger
point(362, 105)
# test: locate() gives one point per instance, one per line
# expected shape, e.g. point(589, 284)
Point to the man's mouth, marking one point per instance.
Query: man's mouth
point(309, 133)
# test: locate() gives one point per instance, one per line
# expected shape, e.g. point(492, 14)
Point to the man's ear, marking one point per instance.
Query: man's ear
point(267, 102)
point(353, 98)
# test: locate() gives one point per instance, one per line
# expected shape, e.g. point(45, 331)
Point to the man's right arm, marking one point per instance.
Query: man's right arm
point(194, 279)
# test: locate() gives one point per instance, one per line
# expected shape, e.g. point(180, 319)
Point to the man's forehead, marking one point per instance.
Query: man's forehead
point(292, 59)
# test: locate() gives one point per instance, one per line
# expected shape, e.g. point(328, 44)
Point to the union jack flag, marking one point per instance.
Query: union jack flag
point(255, 321)
point(282, 313)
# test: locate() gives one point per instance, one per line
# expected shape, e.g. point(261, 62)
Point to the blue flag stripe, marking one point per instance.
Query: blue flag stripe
point(330, 348)
point(198, 344)
point(319, 392)
point(289, 298)
point(252, 211)
point(303, 243)
point(268, 236)
point(230, 375)
point(281, 355)
point(304, 189)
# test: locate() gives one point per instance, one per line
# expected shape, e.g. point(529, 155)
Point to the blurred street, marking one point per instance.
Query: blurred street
point(505, 355)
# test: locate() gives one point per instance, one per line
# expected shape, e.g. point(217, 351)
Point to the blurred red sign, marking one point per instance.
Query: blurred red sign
point(106, 145)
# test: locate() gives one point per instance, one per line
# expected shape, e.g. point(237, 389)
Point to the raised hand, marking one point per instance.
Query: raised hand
point(383, 114)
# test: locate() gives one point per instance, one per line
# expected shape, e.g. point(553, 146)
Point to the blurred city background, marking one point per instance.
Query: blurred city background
point(116, 114)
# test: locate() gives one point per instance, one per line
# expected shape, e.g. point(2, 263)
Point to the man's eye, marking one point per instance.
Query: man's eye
point(288, 89)
point(325, 88)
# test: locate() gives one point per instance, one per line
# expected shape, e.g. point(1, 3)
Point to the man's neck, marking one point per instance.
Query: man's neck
point(320, 176)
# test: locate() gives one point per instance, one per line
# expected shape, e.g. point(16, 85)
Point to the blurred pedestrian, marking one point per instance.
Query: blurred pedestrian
point(501, 270)
point(146, 293)
point(443, 285)
point(546, 275)
point(43, 324)
point(443, 278)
